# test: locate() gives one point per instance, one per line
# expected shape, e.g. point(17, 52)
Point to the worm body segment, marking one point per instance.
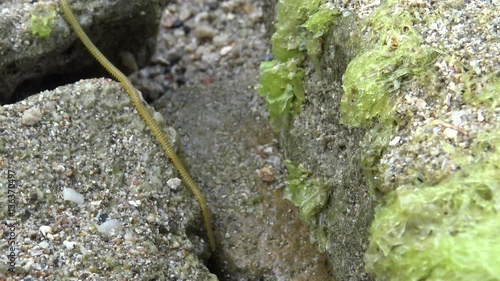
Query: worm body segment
point(145, 115)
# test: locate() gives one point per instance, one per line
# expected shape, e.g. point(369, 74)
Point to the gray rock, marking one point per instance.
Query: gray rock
point(31, 62)
point(232, 152)
point(394, 117)
point(90, 139)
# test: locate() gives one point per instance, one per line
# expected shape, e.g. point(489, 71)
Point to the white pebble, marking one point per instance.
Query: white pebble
point(31, 116)
point(475, 65)
point(395, 141)
point(450, 133)
point(69, 194)
point(69, 245)
point(480, 116)
point(107, 226)
point(174, 183)
point(268, 150)
point(43, 244)
point(151, 218)
point(135, 203)
point(204, 31)
point(45, 229)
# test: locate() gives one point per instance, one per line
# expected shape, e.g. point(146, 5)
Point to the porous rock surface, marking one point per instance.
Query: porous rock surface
point(438, 119)
point(27, 64)
point(88, 137)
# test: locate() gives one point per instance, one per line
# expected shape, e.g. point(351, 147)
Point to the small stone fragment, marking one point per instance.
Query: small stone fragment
point(45, 229)
point(69, 245)
point(107, 226)
point(70, 194)
point(266, 174)
point(450, 133)
point(395, 141)
point(220, 40)
point(226, 50)
point(174, 183)
point(204, 31)
point(31, 116)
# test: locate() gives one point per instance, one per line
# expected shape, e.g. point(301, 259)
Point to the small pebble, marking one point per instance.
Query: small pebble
point(450, 133)
point(225, 50)
point(151, 218)
point(220, 40)
point(204, 31)
point(174, 183)
point(395, 141)
point(167, 19)
point(31, 116)
point(69, 245)
point(107, 226)
point(45, 229)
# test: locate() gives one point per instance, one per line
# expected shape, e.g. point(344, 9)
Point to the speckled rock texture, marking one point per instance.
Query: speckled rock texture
point(214, 48)
point(88, 137)
point(437, 65)
point(319, 141)
point(233, 153)
point(27, 65)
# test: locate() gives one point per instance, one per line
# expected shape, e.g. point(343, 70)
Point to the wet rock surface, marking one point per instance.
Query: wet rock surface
point(90, 192)
point(234, 155)
point(39, 52)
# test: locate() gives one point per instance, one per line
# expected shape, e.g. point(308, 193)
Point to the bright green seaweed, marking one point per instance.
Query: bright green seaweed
point(41, 19)
point(373, 78)
point(449, 231)
point(304, 191)
point(447, 228)
point(299, 28)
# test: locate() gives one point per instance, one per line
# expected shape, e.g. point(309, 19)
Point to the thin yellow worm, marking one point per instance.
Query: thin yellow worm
point(145, 115)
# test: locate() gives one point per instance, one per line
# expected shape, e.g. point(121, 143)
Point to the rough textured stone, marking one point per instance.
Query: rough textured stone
point(396, 106)
point(91, 139)
point(232, 152)
point(30, 63)
point(319, 141)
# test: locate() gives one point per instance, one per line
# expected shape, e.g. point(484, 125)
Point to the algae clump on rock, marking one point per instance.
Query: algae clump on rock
point(300, 25)
point(374, 76)
point(41, 20)
point(438, 220)
point(448, 231)
point(308, 193)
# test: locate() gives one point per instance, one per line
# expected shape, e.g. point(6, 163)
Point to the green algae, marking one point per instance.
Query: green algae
point(488, 96)
point(300, 24)
point(448, 231)
point(282, 88)
point(41, 20)
point(308, 193)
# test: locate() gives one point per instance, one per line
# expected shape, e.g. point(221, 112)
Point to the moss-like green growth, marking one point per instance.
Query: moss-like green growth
point(487, 97)
point(299, 27)
point(304, 191)
point(373, 77)
point(444, 228)
point(41, 19)
point(317, 25)
point(282, 88)
point(449, 231)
